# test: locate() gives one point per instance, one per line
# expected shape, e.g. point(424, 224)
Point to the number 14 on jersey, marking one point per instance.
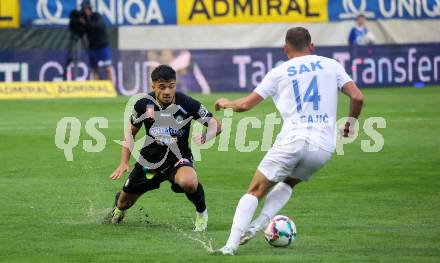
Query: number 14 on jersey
point(311, 95)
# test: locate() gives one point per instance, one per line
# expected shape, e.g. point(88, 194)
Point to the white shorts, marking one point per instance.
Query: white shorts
point(296, 159)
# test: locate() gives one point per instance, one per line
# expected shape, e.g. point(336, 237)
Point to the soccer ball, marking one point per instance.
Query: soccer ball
point(280, 232)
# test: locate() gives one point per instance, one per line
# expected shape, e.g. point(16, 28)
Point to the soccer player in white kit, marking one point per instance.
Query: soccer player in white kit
point(305, 92)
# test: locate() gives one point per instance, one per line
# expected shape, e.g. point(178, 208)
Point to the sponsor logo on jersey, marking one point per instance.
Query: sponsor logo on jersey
point(203, 111)
point(165, 131)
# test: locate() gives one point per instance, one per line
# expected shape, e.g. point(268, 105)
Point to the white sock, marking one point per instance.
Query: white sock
point(204, 213)
point(275, 200)
point(243, 215)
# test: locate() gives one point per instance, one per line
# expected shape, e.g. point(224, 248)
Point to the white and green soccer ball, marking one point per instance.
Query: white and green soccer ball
point(280, 232)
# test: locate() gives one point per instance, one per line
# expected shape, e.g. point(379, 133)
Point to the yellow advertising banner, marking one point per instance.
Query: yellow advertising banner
point(190, 12)
point(9, 14)
point(49, 90)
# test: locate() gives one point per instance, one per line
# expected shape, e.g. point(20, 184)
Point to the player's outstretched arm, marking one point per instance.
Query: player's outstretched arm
point(127, 146)
point(356, 102)
point(239, 105)
point(214, 128)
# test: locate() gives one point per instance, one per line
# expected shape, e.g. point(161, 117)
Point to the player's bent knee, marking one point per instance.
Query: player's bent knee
point(190, 187)
point(187, 181)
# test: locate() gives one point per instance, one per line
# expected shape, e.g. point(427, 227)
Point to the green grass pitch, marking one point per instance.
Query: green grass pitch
point(362, 207)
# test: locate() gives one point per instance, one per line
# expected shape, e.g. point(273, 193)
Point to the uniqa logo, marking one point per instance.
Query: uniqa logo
point(351, 10)
point(46, 16)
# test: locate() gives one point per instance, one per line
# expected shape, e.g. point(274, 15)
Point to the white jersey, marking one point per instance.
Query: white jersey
point(305, 92)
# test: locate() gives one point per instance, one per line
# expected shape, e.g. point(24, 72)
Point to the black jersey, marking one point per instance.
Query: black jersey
point(167, 129)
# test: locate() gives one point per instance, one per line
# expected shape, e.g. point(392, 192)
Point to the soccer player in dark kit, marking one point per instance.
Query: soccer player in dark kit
point(165, 156)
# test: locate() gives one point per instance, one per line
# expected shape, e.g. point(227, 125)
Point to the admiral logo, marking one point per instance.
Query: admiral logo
point(277, 7)
point(250, 11)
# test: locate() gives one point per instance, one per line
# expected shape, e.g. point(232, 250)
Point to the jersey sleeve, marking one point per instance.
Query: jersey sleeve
point(341, 75)
point(352, 37)
point(198, 111)
point(267, 87)
point(138, 110)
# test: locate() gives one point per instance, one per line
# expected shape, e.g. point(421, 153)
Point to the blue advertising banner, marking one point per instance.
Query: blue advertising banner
point(50, 13)
point(384, 9)
point(230, 70)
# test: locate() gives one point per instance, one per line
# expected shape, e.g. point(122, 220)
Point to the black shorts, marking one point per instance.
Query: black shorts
point(142, 180)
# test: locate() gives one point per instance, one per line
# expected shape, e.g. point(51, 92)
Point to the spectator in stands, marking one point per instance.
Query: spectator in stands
point(359, 34)
point(99, 46)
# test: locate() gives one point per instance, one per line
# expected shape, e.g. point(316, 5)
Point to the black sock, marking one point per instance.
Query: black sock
point(198, 198)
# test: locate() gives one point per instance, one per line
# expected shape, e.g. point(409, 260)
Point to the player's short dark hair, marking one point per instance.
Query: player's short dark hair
point(163, 72)
point(298, 38)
